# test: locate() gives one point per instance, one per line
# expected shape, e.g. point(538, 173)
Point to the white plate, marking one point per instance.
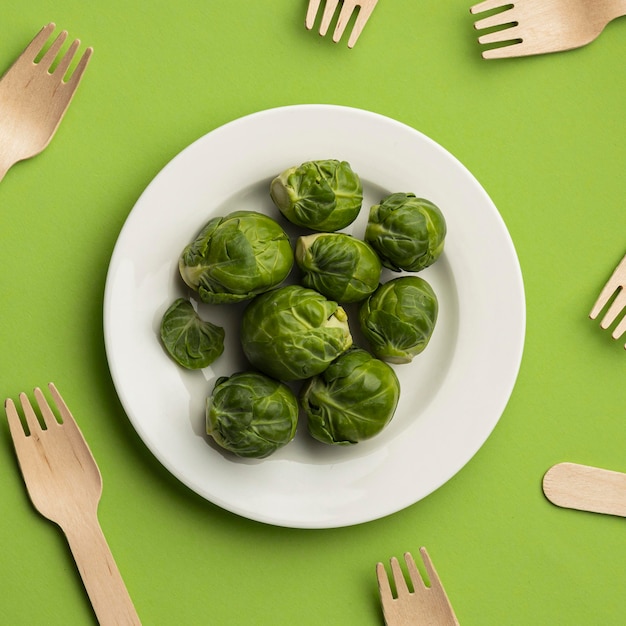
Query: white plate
point(453, 394)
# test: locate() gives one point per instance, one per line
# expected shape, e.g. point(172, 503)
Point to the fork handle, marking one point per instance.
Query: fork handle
point(103, 582)
point(586, 488)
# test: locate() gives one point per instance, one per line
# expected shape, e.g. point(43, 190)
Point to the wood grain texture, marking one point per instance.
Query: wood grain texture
point(65, 486)
point(421, 605)
point(34, 96)
point(364, 8)
point(615, 285)
point(586, 488)
point(527, 27)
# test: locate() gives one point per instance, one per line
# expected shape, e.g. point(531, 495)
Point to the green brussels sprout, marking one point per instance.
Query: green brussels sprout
point(339, 266)
point(293, 332)
point(236, 257)
point(251, 415)
point(352, 400)
point(320, 195)
point(399, 317)
point(408, 233)
point(189, 340)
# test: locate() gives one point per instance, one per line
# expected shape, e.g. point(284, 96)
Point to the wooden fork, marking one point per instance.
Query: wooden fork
point(365, 10)
point(541, 26)
point(616, 283)
point(65, 485)
point(428, 606)
point(33, 100)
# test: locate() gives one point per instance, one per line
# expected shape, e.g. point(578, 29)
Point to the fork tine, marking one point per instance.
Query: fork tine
point(614, 310)
point(65, 61)
point(384, 586)
point(500, 36)
point(497, 19)
point(488, 5)
point(35, 46)
point(430, 569)
point(311, 13)
point(398, 577)
point(329, 11)
point(31, 418)
point(618, 276)
point(518, 49)
point(342, 21)
point(53, 50)
point(66, 414)
point(607, 291)
point(359, 25)
point(620, 329)
point(414, 575)
point(48, 416)
point(77, 74)
point(15, 424)
point(21, 441)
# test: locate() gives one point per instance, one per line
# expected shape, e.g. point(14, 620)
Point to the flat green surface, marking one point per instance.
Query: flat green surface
point(546, 138)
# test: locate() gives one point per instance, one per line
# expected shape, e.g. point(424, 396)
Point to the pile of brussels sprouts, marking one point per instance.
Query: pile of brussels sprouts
point(300, 332)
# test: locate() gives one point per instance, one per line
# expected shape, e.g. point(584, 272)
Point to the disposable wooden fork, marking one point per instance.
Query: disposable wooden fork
point(541, 26)
point(65, 485)
point(615, 284)
point(424, 606)
point(33, 100)
point(365, 8)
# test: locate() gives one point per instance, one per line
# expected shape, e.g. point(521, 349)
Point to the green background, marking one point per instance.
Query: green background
point(545, 137)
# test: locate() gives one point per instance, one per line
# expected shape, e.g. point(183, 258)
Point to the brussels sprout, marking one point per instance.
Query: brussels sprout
point(251, 415)
point(339, 266)
point(293, 332)
point(320, 195)
point(236, 257)
point(408, 233)
point(189, 340)
point(399, 318)
point(352, 400)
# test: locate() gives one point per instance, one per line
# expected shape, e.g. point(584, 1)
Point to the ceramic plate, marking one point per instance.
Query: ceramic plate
point(453, 394)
